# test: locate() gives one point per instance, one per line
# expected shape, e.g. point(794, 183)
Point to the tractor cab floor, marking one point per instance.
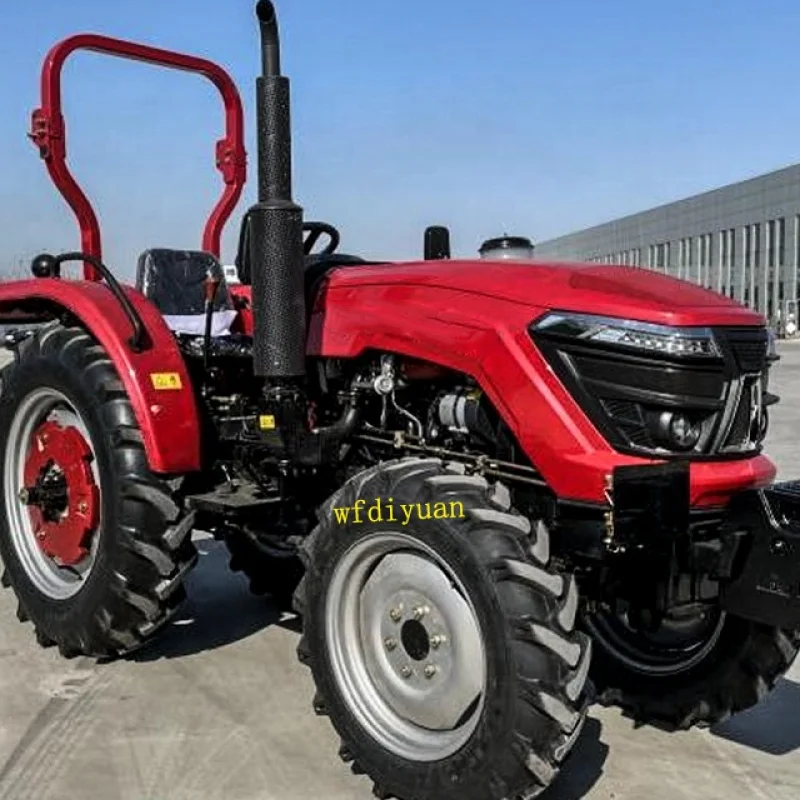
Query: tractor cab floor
point(219, 709)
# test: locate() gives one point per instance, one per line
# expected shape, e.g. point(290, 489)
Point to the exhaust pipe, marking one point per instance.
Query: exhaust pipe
point(275, 223)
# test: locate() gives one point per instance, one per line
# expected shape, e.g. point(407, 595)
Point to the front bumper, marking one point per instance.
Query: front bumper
point(750, 547)
point(764, 526)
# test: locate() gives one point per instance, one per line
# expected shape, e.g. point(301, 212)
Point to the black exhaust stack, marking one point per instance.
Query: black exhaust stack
point(276, 224)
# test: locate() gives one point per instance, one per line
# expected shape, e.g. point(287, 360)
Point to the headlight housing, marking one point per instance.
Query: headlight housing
point(632, 335)
point(660, 391)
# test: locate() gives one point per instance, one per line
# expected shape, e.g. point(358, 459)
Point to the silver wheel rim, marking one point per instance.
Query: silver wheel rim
point(681, 646)
point(57, 583)
point(388, 596)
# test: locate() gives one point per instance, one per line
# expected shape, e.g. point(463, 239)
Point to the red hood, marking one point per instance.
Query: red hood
point(628, 292)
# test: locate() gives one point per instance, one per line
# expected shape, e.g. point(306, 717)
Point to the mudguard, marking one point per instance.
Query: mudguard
point(156, 380)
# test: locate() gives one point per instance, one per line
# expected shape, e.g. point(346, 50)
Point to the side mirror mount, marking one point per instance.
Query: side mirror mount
point(437, 243)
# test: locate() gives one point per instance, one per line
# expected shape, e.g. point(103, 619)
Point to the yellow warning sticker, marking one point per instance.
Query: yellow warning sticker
point(166, 380)
point(266, 422)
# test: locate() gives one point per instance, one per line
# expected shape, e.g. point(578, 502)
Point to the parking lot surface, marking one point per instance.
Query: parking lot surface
point(220, 709)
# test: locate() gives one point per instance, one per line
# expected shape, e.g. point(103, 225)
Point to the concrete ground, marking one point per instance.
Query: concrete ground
point(221, 710)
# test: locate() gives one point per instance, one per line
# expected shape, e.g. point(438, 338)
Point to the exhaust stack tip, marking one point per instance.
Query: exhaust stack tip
point(270, 46)
point(265, 11)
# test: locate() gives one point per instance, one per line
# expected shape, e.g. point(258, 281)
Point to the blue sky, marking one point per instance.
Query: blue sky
point(534, 117)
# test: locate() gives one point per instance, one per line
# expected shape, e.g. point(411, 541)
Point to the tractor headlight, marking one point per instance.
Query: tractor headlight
point(631, 335)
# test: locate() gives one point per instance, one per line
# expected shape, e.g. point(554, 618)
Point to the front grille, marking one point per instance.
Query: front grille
point(739, 434)
point(749, 347)
point(629, 416)
point(742, 435)
point(627, 395)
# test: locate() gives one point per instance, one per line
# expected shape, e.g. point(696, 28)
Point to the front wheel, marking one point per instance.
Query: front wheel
point(696, 671)
point(442, 643)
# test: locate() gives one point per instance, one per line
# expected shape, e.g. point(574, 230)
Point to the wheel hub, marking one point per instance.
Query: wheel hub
point(405, 645)
point(60, 492)
point(422, 644)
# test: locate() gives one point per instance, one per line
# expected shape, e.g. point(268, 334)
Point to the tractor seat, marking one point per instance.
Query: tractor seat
point(173, 280)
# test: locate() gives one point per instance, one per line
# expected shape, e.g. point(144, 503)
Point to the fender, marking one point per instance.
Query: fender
point(168, 418)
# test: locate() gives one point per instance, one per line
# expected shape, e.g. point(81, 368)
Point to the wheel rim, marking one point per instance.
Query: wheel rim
point(52, 494)
point(406, 648)
point(677, 646)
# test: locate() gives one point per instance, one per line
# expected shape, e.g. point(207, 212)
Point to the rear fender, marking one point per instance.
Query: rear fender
point(168, 417)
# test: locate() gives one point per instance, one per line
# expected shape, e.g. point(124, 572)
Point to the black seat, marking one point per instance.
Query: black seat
point(173, 280)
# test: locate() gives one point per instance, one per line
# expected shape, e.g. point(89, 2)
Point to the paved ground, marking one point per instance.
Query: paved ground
point(221, 711)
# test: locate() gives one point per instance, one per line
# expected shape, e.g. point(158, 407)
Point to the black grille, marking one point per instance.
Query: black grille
point(626, 394)
point(744, 427)
point(749, 347)
point(739, 434)
point(629, 416)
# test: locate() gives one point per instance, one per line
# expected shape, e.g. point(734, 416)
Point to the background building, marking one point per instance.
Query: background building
point(742, 240)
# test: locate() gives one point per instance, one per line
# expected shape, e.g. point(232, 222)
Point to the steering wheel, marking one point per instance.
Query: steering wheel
point(314, 231)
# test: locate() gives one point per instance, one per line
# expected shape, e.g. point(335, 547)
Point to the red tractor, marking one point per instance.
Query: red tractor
point(492, 490)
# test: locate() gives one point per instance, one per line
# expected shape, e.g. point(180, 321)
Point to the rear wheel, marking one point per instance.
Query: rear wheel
point(95, 546)
point(443, 650)
point(696, 671)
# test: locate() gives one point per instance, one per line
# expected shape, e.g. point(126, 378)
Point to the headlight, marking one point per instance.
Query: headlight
point(632, 335)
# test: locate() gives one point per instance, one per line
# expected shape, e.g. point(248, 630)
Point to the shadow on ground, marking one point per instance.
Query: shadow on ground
point(771, 726)
point(583, 768)
point(220, 610)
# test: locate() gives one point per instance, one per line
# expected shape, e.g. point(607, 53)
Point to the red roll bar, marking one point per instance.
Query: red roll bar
point(48, 133)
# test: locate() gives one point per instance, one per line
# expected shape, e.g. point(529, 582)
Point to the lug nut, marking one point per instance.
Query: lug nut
point(390, 643)
point(24, 496)
point(430, 670)
point(406, 672)
point(83, 506)
point(420, 612)
point(396, 614)
point(40, 534)
point(437, 640)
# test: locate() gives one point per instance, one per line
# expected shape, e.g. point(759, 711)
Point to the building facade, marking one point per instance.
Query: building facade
point(741, 240)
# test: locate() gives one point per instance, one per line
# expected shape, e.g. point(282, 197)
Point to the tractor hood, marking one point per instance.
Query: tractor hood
point(617, 291)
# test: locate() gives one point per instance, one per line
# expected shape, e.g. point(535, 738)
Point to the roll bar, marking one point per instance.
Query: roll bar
point(48, 133)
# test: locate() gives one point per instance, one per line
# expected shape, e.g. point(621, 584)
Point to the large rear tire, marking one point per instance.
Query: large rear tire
point(95, 546)
point(698, 675)
point(443, 650)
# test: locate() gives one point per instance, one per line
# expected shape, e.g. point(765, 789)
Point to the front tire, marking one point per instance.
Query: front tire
point(95, 546)
point(443, 650)
point(727, 666)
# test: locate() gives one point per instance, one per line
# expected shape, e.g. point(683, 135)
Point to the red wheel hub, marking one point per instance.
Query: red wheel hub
point(60, 492)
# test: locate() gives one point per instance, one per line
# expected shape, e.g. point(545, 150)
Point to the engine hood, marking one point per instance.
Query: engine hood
point(629, 292)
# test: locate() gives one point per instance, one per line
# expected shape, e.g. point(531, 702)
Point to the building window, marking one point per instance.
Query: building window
point(757, 248)
point(689, 244)
point(667, 257)
point(723, 248)
point(660, 256)
point(771, 243)
point(781, 241)
point(748, 245)
point(797, 244)
point(732, 240)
